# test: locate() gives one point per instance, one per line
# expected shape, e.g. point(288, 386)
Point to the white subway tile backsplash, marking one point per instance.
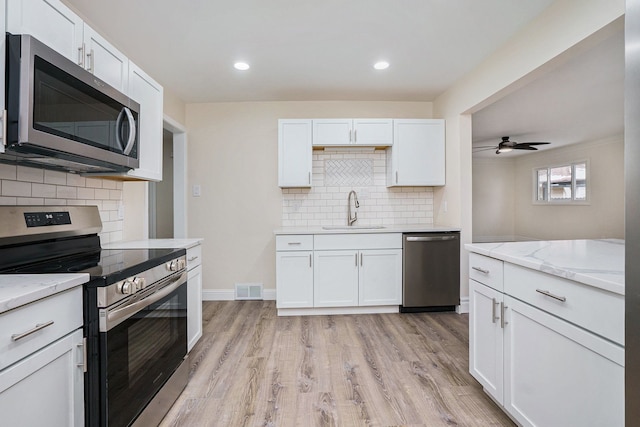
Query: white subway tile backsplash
point(21, 185)
point(335, 175)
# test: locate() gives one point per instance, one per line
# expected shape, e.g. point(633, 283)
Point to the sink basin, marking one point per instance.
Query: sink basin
point(353, 227)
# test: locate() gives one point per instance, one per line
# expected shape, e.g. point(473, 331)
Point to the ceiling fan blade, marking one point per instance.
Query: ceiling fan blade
point(476, 149)
point(524, 147)
point(534, 143)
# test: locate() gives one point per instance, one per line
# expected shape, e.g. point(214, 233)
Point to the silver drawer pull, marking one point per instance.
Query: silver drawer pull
point(193, 258)
point(549, 294)
point(481, 270)
point(39, 326)
point(294, 243)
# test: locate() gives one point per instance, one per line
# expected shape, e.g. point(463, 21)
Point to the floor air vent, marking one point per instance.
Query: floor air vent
point(248, 291)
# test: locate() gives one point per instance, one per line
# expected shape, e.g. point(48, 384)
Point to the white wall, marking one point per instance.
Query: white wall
point(564, 29)
point(233, 156)
point(503, 207)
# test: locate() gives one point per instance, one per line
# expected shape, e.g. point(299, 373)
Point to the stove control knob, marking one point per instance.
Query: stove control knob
point(127, 287)
point(173, 266)
point(140, 283)
point(182, 264)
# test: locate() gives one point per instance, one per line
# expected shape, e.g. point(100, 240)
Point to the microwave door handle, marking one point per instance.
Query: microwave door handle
point(118, 125)
point(132, 131)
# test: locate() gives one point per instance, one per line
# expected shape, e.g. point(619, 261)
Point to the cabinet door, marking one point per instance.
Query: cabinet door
point(557, 374)
point(373, 132)
point(335, 278)
point(332, 132)
point(380, 277)
point(45, 388)
point(49, 21)
point(105, 61)
point(148, 93)
point(194, 306)
point(418, 153)
point(294, 153)
point(486, 338)
point(294, 279)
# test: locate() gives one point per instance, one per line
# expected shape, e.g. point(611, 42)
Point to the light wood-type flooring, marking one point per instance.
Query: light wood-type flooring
point(253, 368)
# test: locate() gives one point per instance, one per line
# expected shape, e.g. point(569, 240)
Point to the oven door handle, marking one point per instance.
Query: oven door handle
point(117, 316)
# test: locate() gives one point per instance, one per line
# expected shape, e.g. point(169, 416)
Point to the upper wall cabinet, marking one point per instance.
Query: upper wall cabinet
point(294, 153)
point(149, 94)
point(58, 27)
point(346, 132)
point(417, 157)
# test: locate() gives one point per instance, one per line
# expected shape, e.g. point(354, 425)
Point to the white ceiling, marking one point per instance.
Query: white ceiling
point(306, 49)
point(580, 100)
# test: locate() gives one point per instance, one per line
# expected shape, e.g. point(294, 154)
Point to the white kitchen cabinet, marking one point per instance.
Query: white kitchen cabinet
point(294, 271)
point(335, 278)
point(105, 61)
point(47, 387)
point(539, 351)
point(557, 374)
point(49, 21)
point(194, 295)
point(294, 153)
point(347, 132)
point(486, 342)
point(417, 157)
point(42, 361)
point(380, 277)
point(149, 94)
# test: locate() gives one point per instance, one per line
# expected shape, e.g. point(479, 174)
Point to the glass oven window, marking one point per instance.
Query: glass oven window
point(69, 108)
point(142, 353)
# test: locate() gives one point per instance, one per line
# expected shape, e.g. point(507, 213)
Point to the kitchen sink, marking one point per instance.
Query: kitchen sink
point(353, 227)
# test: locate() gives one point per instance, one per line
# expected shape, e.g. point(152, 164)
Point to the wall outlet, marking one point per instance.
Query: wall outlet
point(121, 211)
point(197, 191)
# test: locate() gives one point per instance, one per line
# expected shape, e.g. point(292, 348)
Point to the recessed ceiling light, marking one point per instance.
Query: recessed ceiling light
point(382, 65)
point(242, 66)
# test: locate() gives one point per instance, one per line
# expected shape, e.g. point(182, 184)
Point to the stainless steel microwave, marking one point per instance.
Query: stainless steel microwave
point(60, 116)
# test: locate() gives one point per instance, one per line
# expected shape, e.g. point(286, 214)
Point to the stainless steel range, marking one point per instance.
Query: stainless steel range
point(135, 308)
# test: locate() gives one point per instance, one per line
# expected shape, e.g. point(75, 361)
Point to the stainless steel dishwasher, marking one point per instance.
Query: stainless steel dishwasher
point(430, 271)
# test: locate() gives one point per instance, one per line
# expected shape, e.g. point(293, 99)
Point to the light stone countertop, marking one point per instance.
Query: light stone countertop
point(155, 244)
point(418, 228)
point(20, 289)
point(598, 263)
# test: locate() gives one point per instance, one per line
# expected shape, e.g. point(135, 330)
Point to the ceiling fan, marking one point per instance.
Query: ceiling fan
point(507, 145)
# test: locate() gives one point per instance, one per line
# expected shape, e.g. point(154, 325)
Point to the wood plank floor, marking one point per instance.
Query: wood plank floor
point(253, 368)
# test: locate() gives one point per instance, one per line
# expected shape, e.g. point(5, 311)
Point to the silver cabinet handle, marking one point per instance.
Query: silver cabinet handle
point(481, 270)
point(549, 294)
point(83, 365)
point(91, 57)
point(294, 243)
point(396, 177)
point(361, 258)
point(356, 259)
point(349, 135)
point(493, 310)
point(310, 261)
point(81, 56)
point(502, 309)
point(429, 239)
point(38, 327)
point(193, 258)
point(355, 135)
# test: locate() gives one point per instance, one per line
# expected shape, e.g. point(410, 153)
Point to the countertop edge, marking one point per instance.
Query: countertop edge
point(17, 290)
point(386, 229)
point(185, 243)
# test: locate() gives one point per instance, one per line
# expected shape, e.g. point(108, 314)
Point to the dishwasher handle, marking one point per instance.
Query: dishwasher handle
point(429, 238)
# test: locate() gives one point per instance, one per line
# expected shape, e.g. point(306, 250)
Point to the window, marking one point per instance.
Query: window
point(564, 183)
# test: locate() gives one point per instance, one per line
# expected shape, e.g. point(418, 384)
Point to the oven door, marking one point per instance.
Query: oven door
point(140, 349)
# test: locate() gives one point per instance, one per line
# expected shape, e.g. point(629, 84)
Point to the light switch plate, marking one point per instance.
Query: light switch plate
point(197, 190)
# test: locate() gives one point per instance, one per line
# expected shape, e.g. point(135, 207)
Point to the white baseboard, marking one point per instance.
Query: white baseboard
point(464, 305)
point(323, 311)
point(229, 294)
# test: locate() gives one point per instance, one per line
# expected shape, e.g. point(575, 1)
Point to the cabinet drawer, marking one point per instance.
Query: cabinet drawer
point(194, 257)
point(591, 308)
point(63, 309)
point(486, 270)
point(294, 242)
point(358, 241)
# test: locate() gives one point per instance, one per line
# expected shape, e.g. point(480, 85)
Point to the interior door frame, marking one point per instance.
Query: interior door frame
point(179, 176)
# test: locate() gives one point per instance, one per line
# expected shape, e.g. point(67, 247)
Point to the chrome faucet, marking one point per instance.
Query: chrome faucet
point(350, 219)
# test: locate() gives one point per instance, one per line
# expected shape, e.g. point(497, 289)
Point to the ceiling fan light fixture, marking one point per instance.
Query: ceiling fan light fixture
point(241, 66)
point(504, 149)
point(381, 65)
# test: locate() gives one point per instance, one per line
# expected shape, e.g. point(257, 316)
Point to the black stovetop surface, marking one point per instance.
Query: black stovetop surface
point(105, 266)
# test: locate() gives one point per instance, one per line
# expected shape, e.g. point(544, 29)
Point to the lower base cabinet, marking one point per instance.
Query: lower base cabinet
point(294, 273)
point(194, 306)
point(557, 374)
point(47, 387)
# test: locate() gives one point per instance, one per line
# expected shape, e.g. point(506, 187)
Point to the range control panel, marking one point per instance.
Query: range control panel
point(44, 219)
